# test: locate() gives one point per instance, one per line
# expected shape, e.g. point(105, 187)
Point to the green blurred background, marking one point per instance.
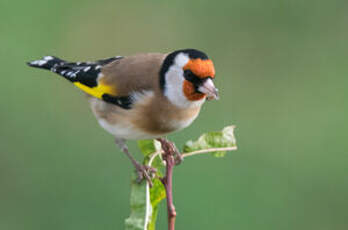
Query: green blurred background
point(281, 70)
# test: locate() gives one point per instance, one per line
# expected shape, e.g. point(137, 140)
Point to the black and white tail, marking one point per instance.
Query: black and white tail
point(83, 72)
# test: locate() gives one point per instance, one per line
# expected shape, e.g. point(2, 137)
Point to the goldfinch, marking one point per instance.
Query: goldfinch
point(143, 96)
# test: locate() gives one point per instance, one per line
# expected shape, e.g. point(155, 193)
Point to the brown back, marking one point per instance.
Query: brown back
point(134, 73)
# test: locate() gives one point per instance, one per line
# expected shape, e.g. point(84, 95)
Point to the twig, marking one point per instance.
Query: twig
point(209, 151)
point(168, 156)
point(155, 154)
point(168, 184)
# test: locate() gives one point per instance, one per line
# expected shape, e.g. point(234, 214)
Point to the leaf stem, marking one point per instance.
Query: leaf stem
point(153, 156)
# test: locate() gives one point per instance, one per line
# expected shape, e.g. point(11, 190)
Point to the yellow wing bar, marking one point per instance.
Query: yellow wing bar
point(96, 91)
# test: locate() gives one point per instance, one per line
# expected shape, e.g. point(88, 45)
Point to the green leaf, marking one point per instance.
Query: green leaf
point(139, 203)
point(147, 147)
point(220, 139)
point(144, 200)
point(157, 194)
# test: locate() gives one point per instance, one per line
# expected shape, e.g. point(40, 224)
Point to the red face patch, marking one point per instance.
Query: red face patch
point(190, 92)
point(201, 68)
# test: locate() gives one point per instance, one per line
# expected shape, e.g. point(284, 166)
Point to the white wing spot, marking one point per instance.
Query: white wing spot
point(38, 62)
point(47, 58)
point(86, 69)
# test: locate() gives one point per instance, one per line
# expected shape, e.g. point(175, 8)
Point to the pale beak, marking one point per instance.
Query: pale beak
point(209, 89)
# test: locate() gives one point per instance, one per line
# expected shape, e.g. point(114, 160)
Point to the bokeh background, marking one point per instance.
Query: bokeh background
point(282, 73)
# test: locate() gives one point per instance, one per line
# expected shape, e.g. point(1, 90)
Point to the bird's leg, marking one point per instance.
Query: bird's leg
point(143, 171)
point(168, 146)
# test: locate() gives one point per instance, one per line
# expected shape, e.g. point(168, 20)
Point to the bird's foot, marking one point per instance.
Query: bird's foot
point(144, 172)
point(169, 147)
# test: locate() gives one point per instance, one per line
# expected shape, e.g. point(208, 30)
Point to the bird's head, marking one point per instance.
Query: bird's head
point(186, 78)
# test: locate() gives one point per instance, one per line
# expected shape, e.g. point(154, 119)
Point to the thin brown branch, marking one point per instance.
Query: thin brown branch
point(168, 156)
point(168, 184)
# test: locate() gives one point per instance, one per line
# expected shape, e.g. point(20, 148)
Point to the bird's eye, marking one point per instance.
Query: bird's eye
point(191, 77)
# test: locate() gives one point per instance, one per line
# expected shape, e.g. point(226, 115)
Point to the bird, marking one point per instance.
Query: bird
point(141, 96)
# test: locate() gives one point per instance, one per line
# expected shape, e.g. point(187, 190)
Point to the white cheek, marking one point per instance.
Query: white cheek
point(174, 87)
point(174, 84)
